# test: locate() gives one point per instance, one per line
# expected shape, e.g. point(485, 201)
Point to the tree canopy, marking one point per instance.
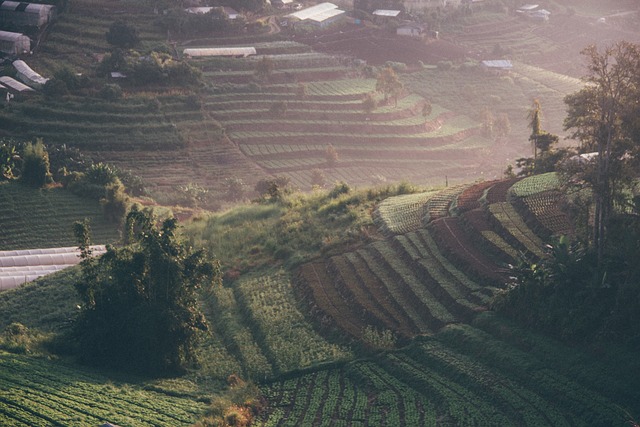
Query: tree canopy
point(140, 310)
point(603, 118)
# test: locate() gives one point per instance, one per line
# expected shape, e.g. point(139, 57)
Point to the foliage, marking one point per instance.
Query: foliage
point(111, 92)
point(35, 168)
point(9, 160)
point(331, 155)
point(273, 189)
point(140, 309)
point(600, 117)
point(234, 188)
point(122, 34)
point(194, 195)
point(369, 103)
point(17, 338)
point(382, 340)
point(388, 84)
point(264, 68)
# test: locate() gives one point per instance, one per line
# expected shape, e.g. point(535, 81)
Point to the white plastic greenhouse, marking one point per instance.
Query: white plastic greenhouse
point(21, 266)
point(14, 43)
point(28, 76)
point(220, 51)
point(21, 14)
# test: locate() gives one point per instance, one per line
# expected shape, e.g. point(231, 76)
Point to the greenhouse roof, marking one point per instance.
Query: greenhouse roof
point(314, 12)
point(26, 71)
point(385, 12)
point(12, 83)
point(220, 51)
point(6, 35)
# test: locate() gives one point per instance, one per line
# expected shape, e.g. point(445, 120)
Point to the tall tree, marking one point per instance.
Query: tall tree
point(535, 124)
point(388, 84)
point(140, 309)
point(597, 117)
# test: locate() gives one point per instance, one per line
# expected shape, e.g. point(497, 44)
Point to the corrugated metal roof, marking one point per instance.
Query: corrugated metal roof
point(220, 51)
point(385, 12)
point(312, 11)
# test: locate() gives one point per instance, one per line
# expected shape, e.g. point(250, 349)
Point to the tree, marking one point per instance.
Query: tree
point(598, 116)
point(487, 122)
point(502, 125)
point(331, 155)
point(139, 303)
point(8, 160)
point(535, 124)
point(122, 34)
point(264, 68)
point(318, 178)
point(35, 169)
point(369, 103)
point(388, 84)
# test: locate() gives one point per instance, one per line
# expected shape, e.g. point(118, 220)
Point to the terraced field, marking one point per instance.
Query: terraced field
point(39, 392)
point(511, 379)
point(444, 256)
point(44, 218)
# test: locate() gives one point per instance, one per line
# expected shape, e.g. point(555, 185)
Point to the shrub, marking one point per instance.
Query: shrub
point(340, 188)
point(110, 92)
point(122, 34)
point(35, 169)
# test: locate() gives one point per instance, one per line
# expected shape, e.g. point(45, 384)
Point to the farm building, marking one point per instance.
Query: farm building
point(28, 76)
point(15, 86)
point(20, 14)
point(14, 43)
point(320, 15)
point(18, 267)
point(236, 52)
point(410, 29)
point(497, 66)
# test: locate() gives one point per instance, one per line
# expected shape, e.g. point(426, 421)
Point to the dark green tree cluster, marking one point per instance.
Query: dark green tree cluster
point(156, 68)
point(140, 302)
point(590, 289)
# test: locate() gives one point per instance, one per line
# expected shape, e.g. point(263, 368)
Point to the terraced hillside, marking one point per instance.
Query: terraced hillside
point(43, 218)
point(488, 373)
point(444, 257)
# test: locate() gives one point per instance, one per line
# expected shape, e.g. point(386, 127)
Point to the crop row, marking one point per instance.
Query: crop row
point(237, 336)
point(401, 214)
point(291, 341)
point(439, 204)
point(535, 184)
point(463, 376)
point(545, 206)
point(51, 216)
point(40, 392)
point(512, 222)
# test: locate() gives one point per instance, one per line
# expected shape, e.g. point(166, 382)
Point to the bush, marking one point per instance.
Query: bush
point(110, 92)
point(35, 169)
point(340, 188)
point(122, 34)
